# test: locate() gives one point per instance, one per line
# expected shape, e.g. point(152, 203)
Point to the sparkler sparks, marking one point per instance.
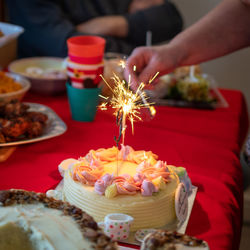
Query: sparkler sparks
point(127, 104)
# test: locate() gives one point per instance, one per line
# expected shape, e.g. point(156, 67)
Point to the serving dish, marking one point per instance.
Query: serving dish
point(164, 93)
point(8, 42)
point(46, 74)
point(19, 94)
point(54, 127)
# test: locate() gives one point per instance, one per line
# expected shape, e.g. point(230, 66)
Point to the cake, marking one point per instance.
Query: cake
point(169, 240)
point(32, 221)
point(123, 181)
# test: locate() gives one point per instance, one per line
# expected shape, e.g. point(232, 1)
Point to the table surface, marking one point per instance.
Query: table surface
point(206, 142)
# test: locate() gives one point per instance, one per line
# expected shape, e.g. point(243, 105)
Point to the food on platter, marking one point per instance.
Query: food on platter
point(8, 84)
point(192, 91)
point(187, 87)
point(18, 123)
point(182, 72)
point(38, 72)
point(185, 93)
point(33, 221)
point(124, 181)
point(1, 33)
point(163, 239)
point(12, 87)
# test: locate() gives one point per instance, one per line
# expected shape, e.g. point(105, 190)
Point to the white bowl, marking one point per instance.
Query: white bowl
point(43, 83)
point(6, 97)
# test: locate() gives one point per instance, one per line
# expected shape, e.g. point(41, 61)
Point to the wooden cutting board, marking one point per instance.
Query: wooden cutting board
point(5, 153)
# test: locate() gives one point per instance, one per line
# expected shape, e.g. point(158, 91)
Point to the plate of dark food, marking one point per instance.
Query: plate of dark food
point(23, 122)
point(182, 89)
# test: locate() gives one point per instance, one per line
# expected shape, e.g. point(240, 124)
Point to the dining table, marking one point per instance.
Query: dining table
point(207, 142)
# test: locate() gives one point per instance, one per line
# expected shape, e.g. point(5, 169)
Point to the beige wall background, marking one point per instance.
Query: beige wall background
point(231, 71)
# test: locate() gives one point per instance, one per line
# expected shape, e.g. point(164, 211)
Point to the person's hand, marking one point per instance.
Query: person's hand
point(149, 61)
point(106, 25)
point(137, 5)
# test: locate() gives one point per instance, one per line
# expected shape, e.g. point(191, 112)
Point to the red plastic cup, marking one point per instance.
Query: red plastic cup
point(86, 46)
point(85, 59)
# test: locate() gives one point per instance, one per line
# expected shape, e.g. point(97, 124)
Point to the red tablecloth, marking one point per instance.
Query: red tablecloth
point(206, 142)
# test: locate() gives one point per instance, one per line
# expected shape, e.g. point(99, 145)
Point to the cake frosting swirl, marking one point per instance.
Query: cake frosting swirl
point(91, 170)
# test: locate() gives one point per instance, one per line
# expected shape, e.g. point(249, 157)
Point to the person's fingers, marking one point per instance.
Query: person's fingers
point(134, 65)
point(138, 59)
point(152, 69)
point(147, 73)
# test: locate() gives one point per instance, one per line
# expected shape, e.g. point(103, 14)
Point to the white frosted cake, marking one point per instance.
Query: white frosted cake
point(122, 181)
point(32, 221)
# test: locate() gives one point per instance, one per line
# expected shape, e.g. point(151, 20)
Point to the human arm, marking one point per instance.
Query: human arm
point(48, 24)
point(222, 31)
point(115, 25)
point(159, 16)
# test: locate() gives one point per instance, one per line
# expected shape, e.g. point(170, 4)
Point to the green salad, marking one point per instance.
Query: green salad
point(184, 89)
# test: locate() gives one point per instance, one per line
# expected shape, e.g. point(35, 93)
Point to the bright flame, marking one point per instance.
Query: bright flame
point(126, 103)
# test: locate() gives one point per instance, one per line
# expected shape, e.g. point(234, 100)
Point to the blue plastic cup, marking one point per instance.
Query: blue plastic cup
point(83, 103)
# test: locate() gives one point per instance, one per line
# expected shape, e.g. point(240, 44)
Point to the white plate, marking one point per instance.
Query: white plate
point(55, 126)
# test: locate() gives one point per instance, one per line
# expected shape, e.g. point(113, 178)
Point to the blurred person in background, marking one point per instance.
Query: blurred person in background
point(222, 31)
point(123, 23)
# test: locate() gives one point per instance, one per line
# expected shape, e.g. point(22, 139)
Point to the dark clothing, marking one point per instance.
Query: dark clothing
point(48, 24)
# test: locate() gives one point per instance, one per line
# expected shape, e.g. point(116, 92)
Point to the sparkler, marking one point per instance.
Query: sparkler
point(127, 104)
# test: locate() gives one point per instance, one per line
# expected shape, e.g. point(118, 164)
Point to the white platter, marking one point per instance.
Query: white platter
point(55, 126)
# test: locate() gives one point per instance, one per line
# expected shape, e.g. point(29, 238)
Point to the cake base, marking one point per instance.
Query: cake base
point(179, 227)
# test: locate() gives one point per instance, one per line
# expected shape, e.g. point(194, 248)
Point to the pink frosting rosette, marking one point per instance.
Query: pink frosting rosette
point(87, 174)
point(125, 151)
point(102, 183)
point(140, 156)
point(143, 165)
point(152, 172)
point(148, 188)
point(125, 185)
point(103, 155)
point(138, 178)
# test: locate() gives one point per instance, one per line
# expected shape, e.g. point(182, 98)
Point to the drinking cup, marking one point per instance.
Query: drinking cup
point(83, 103)
point(85, 59)
point(117, 225)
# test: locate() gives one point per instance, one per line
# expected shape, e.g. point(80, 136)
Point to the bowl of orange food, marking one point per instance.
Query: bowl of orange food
point(12, 86)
